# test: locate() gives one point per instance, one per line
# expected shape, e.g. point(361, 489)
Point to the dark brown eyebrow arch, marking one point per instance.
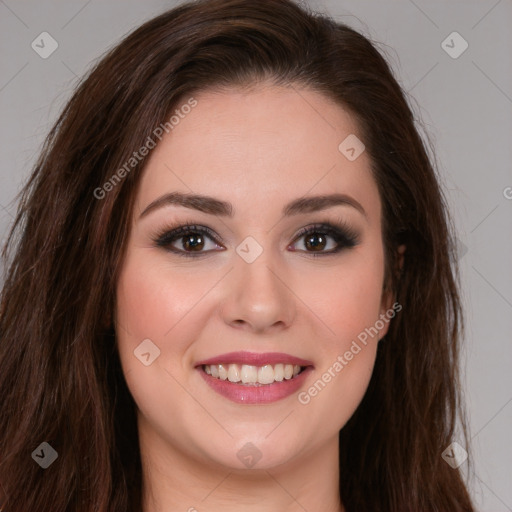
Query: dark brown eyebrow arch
point(214, 206)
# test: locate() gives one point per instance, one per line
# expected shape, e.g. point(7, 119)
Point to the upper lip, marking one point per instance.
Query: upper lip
point(255, 359)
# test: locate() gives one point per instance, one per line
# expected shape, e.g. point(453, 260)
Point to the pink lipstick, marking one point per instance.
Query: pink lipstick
point(255, 378)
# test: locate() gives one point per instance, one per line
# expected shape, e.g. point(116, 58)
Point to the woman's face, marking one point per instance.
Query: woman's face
point(252, 293)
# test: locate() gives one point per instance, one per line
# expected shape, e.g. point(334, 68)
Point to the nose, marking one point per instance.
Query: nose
point(257, 297)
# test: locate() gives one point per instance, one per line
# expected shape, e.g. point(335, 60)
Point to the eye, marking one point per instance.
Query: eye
point(318, 239)
point(188, 241)
point(325, 238)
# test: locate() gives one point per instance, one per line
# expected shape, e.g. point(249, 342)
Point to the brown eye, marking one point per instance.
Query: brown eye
point(323, 239)
point(193, 242)
point(189, 241)
point(315, 241)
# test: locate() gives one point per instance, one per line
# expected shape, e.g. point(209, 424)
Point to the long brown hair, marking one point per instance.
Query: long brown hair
point(60, 376)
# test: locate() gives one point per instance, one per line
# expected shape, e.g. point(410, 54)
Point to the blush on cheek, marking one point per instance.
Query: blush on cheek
point(348, 300)
point(145, 304)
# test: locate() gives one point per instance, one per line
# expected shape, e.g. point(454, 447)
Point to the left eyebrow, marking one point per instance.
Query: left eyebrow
point(317, 203)
point(215, 206)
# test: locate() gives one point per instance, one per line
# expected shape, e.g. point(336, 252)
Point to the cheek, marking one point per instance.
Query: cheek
point(167, 305)
point(151, 304)
point(142, 297)
point(347, 298)
point(348, 301)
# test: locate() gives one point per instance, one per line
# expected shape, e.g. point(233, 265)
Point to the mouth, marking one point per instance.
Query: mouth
point(250, 375)
point(251, 378)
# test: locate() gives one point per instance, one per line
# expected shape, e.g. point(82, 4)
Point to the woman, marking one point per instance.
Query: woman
point(231, 282)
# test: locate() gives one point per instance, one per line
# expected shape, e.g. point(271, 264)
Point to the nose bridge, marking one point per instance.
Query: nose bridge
point(257, 296)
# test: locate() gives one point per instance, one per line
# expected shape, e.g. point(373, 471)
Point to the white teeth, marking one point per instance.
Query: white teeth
point(266, 374)
point(279, 372)
point(223, 372)
point(249, 374)
point(233, 373)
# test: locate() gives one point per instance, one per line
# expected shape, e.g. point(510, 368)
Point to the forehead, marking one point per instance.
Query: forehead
point(259, 149)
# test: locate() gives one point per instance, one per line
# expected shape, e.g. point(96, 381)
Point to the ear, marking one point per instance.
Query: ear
point(388, 297)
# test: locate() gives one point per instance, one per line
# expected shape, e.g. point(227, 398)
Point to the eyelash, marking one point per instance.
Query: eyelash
point(343, 235)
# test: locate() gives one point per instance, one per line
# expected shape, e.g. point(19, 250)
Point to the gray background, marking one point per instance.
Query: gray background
point(465, 104)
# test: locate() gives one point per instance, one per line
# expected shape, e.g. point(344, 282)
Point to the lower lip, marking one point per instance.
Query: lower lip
point(263, 394)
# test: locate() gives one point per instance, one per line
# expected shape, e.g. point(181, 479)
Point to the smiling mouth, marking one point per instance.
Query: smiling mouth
point(250, 375)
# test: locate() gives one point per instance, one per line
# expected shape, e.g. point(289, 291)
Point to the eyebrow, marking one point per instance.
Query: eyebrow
point(215, 206)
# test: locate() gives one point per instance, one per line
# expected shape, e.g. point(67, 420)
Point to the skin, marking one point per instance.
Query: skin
point(257, 149)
